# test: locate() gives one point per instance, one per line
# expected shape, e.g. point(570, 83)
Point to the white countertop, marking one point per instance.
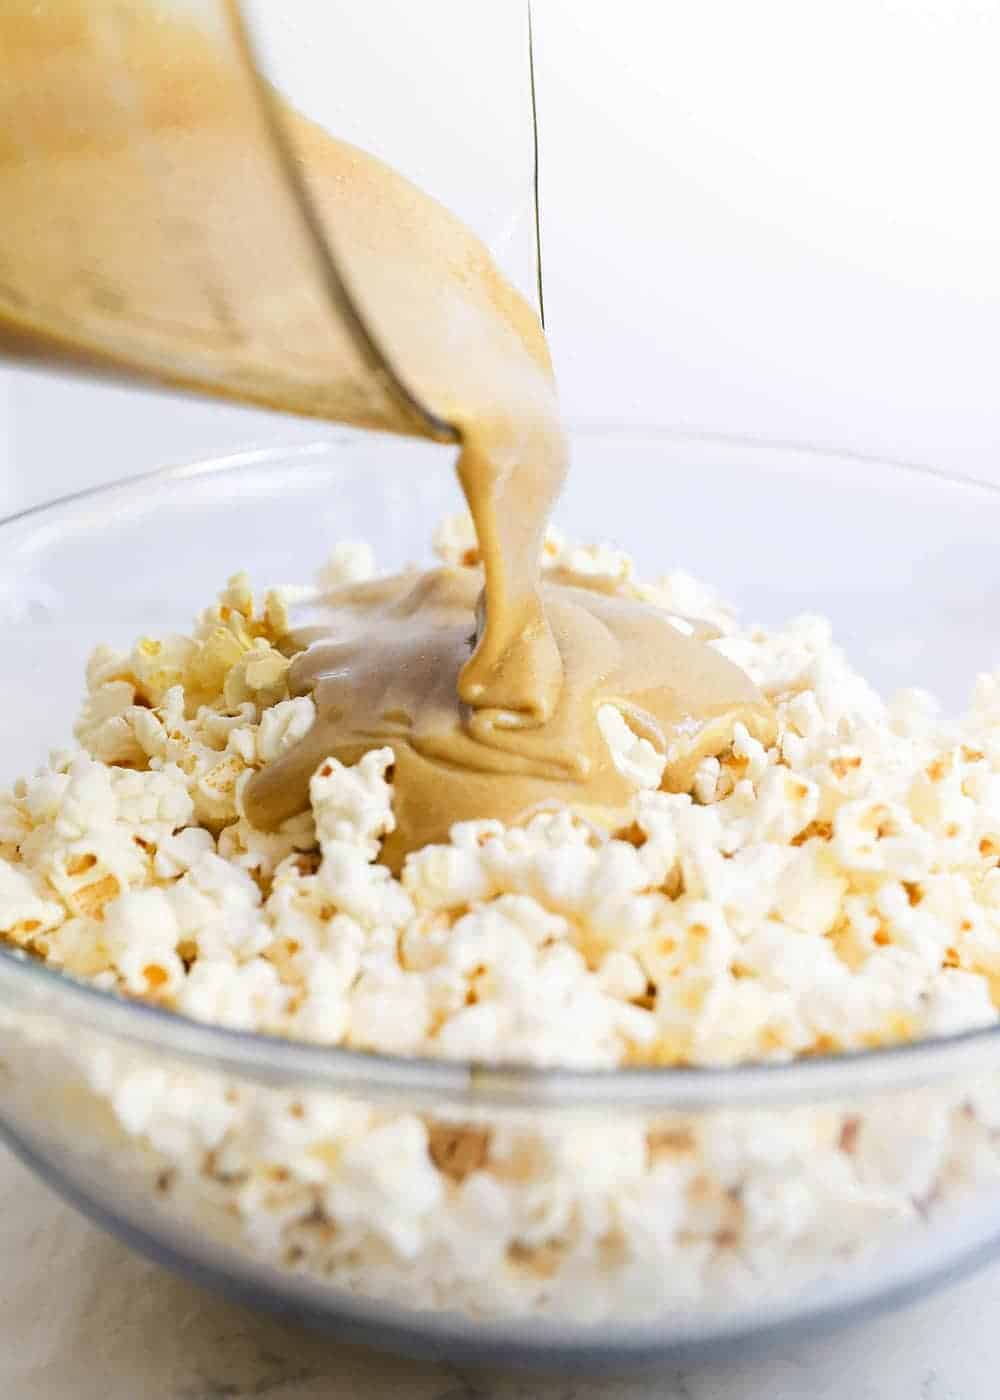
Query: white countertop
point(81, 1318)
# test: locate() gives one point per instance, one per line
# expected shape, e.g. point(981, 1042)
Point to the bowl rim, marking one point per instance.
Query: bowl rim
point(28, 986)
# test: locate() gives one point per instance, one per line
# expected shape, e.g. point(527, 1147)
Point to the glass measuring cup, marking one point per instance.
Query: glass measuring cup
point(157, 218)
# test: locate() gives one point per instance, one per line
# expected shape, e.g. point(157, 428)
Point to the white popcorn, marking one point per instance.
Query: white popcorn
point(620, 975)
point(353, 806)
point(634, 757)
point(177, 853)
point(141, 932)
point(838, 891)
point(446, 877)
point(246, 996)
point(910, 1159)
point(389, 1012)
point(283, 725)
point(684, 596)
point(351, 561)
point(455, 541)
point(706, 780)
point(880, 836)
point(957, 1001)
point(809, 892)
point(25, 906)
point(104, 725)
point(801, 869)
point(601, 567)
point(386, 1178)
point(217, 906)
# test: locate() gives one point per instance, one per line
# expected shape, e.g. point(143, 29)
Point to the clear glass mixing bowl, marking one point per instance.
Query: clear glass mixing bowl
point(132, 1112)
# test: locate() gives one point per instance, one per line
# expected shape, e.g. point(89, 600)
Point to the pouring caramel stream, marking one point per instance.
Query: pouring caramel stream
point(145, 221)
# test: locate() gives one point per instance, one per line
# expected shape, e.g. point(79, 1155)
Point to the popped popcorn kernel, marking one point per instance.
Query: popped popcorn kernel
point(837, 891)
point(828, 835)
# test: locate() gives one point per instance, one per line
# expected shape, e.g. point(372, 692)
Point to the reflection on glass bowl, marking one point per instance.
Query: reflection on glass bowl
point(505, 1212)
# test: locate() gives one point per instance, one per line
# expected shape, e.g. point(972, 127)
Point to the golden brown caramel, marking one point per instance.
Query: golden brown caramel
point(147, 221)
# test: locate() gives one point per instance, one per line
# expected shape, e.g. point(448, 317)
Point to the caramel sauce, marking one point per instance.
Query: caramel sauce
point(147, 221)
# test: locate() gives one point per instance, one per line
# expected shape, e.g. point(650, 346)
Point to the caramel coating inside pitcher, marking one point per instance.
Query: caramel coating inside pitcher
point(145, 221)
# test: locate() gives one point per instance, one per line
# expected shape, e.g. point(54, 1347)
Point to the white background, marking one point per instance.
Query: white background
point(779, 219)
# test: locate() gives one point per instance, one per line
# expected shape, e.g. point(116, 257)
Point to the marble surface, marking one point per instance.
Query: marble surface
point(81, 1318)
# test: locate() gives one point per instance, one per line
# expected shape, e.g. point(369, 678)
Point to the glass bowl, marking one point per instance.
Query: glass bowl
point(133, 1113)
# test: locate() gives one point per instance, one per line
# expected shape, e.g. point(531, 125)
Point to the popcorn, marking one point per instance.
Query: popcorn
point(634, 757)
point(25, 906)
point(447, 877)
point(725, 927)
point(387, 1176)
point(352, 561)
point(600, 567)
point(389, 1012)
point(282, 726)
point(141, 932)
point(176, 854)
point(455, 541)
point(353, 806)
point(838, 891)
point(259, 677)
point(247, 996)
